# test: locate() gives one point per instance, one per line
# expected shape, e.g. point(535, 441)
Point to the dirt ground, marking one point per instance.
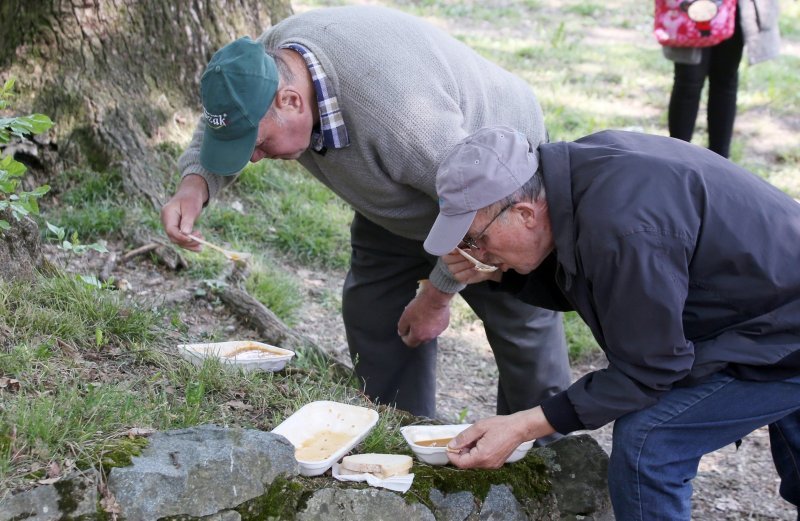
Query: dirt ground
point(731, 484)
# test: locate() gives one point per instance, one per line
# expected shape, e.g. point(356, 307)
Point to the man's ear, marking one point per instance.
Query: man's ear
point(288, 99)
point(529, 212)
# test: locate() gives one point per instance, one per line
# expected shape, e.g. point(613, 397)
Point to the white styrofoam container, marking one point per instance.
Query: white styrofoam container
point(347, 425)
point(246, 354)
point(438, 455)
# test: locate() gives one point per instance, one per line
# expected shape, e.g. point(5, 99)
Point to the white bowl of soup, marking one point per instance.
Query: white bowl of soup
point(324, 431)
point(429, 442)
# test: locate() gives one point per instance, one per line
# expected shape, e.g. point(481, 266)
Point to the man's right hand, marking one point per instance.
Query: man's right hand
point(464, 271)
point(180, 212)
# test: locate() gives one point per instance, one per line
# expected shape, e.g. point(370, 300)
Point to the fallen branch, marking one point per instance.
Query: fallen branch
point(272, 329)
point(140, 250)
point(254, 313)
point(164, 252)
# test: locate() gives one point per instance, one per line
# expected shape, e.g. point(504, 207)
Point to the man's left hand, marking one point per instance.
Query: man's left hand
point(425, 317)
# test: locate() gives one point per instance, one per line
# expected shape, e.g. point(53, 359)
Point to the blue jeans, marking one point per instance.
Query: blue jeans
point(656, 451)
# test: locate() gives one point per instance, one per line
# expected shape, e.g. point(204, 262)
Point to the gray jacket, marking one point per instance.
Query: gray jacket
point(759, 21)
point(682, 263)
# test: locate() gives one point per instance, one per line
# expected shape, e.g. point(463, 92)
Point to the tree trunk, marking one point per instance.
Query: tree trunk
point(20, 250)
point(120, 78)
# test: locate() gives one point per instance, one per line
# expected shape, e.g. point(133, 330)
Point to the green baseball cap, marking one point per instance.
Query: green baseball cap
point(237, 88)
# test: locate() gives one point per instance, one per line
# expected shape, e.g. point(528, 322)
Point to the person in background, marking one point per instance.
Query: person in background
point(369, 100)
point(756, 29)
point(684, 267)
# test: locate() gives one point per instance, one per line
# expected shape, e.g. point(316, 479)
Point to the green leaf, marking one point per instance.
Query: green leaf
point(39, 191)
point(38, 122)
point(24, 125)
point(31, 205)
point(4, 225)
point(13, 167)
point(93, 281)
point(59, 232)
point(18, 208)
point(97, 247)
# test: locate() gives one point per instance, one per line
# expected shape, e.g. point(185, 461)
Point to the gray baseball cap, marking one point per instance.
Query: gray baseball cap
point(480, 170)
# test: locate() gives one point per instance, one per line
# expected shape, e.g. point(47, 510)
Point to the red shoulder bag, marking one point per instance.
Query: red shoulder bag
point(694, 23)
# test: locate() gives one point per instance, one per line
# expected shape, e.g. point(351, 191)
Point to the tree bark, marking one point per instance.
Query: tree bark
point(120, 78)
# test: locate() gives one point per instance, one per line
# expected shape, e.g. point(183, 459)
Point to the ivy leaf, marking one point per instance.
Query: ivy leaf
point(4, 225)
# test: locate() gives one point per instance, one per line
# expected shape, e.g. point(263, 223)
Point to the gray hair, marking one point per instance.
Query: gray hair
point(285, 77)
point(531, 191)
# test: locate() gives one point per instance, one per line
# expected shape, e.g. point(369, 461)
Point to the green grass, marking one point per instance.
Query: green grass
point(92, 204)
point(580, 340)
point(80, 391)
point(66, 309)
point(276, 290)
point(287, 209)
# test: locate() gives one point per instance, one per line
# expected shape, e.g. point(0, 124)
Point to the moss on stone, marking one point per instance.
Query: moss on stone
point(282, 500)
point(67, 503)
point(122, 451)
point(528, 478)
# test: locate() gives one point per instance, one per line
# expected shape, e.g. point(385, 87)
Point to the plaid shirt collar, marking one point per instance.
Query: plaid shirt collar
point(332, 132)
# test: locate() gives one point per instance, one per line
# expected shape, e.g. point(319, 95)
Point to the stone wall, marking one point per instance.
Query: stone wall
point(225, 474)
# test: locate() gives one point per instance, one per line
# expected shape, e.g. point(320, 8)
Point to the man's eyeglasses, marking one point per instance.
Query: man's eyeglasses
point(471, 243)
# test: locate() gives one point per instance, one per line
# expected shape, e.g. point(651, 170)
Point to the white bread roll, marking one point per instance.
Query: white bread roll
point(380, 465)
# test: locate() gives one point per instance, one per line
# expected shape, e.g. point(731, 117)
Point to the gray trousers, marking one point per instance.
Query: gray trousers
point(528, 342)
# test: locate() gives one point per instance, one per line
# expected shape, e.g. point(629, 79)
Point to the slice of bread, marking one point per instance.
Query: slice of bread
point(380, 465)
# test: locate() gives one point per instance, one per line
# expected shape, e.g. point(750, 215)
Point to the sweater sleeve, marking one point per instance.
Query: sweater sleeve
point(443, 280)
point(639, 286)
point(189, 163)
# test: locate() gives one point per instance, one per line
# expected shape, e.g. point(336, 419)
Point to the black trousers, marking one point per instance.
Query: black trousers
point(528, 342)
point(720, 64)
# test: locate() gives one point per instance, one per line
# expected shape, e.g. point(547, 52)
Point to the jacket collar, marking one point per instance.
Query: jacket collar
point(558, 191)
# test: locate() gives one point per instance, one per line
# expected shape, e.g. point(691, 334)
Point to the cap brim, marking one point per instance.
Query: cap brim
point(226, 157)
point(447, 232)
